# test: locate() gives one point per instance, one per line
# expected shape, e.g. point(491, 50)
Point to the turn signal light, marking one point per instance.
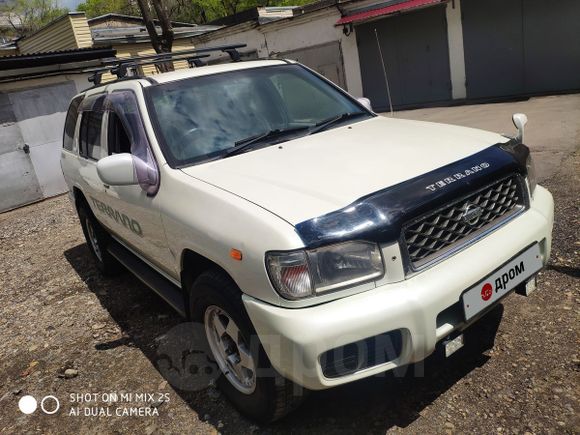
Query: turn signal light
point(235, 254)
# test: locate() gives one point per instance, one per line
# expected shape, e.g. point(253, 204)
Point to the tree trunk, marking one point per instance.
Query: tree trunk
point(161, 43)
point(166, 28)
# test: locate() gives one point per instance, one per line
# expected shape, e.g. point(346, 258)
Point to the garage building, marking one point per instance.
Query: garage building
point(432, 52)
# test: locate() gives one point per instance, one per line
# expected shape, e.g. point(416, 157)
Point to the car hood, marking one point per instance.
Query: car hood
point(314, 175)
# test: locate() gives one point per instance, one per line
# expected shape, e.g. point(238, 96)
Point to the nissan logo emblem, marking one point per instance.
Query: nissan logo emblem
point(471, 214)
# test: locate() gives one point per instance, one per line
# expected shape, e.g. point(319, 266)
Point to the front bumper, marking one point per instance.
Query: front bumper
point(419, 307)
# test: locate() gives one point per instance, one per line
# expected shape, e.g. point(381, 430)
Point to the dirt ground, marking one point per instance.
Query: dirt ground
point(66, 330)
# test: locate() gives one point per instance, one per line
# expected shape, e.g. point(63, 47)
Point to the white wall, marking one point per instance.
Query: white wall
point(351, 64)
point(241, 34)
point(315, 28)
point(456, 54)
point(318, 28)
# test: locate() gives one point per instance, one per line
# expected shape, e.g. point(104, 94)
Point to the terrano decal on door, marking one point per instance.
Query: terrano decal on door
point(118, 217)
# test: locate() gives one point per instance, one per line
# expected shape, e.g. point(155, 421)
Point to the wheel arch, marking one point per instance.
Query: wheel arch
point(193, 265)
point(80, 197)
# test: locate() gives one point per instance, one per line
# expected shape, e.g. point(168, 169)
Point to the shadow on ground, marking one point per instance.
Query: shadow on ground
point(574, 272)
point(371, 405)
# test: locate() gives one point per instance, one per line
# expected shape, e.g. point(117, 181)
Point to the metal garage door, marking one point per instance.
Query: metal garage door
point(30, 142)
point(416, 58)
point(325, 59)
point(551, 45)
point(18, 182)
point(515, 47)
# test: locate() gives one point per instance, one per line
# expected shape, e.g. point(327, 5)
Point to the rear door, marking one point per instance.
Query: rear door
point(69, 158)
point(90, 150)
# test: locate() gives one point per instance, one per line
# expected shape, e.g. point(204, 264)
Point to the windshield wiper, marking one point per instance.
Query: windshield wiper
point(243, 144)
point(330, 121)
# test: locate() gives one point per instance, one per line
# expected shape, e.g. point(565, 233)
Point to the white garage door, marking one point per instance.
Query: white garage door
point(31, 126)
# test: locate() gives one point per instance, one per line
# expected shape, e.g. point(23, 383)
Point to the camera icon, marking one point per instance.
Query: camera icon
point(49, 404)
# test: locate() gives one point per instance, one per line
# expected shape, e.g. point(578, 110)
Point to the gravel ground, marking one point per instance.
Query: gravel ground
point(66, 329)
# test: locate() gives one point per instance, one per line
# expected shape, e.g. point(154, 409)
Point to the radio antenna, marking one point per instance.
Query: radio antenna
point(385, 74)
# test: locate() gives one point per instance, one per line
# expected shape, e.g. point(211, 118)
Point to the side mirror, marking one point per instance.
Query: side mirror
point(366, 103)
point(520, 120)
point(117, 170)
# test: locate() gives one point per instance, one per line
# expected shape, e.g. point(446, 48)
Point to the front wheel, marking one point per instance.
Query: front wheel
point(247, 378)
point(98, 240)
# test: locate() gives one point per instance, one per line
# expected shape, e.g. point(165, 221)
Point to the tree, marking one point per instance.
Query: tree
point(164, 42)
point(187, 11)
point(27, 16)
point(160, 13)
point(194, 11)
point(95, 8)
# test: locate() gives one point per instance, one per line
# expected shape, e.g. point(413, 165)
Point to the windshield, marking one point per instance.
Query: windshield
point(206, 117)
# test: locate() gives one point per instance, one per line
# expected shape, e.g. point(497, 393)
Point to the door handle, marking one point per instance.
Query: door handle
point(26, 148)
point(106, 186)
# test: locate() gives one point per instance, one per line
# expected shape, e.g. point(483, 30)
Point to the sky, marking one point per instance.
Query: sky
point(70, 4)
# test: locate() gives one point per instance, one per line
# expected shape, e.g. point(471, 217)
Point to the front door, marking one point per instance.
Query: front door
point(131, 212)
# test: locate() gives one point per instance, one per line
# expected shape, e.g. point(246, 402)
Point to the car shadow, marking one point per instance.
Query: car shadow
point(372, 405)
point(574, 272)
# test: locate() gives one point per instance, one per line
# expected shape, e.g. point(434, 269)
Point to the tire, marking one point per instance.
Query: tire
point(98, 240)
point(272, 396)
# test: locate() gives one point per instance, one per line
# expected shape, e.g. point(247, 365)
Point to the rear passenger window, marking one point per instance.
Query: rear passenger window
point(70, 123)
point(90, 135)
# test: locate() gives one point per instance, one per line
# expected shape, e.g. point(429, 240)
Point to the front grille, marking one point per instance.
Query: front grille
point(449, 228)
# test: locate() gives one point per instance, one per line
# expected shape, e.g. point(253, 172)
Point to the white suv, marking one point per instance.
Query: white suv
point(308, 234)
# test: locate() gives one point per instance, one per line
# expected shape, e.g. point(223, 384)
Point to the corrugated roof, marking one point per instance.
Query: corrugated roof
point(55, 57)
point(387, 10)
point(140, 34)
point(109, 16)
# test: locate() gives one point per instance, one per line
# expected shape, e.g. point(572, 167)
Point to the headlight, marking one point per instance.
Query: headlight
point(304, 273)
point(531, 169)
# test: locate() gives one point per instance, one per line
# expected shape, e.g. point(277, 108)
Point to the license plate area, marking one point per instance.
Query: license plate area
point(453, 345)
point(496, 285)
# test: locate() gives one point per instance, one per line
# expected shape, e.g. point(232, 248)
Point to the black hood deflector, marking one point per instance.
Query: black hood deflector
point(380, 216)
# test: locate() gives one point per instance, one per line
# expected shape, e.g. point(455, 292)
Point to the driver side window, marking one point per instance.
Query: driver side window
point(117, 138)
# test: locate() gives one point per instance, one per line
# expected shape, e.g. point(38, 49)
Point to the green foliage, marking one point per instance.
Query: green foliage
point(27, 16)
point(187, 11)
point(204, 11)
point(94, 8)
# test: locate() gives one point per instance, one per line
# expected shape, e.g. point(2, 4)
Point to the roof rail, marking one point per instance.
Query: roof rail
point(191, 60)
point(119, 67)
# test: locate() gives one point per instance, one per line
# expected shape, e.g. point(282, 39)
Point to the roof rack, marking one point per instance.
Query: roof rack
point(191, 60)
point(120, 67)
